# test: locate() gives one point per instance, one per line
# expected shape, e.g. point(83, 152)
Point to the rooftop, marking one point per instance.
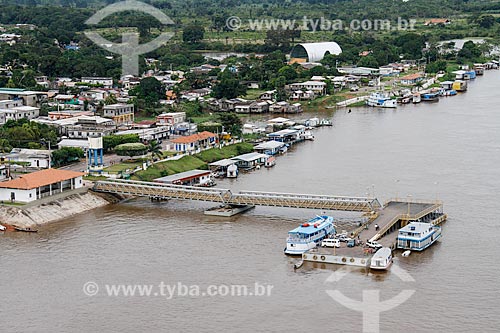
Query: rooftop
point(182, 176)
point(195, 137)
point(40, 178)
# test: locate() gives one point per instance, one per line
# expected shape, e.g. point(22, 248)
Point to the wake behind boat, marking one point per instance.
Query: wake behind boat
point(309, 235)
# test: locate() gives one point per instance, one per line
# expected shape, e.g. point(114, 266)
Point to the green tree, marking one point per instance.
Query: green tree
point(155, 150)
point(193, 33)
point(131, 149)
point(231, 122)
point(66, 155)
point(229, 87)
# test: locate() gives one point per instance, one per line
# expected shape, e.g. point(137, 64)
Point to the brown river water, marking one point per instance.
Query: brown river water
point(448, 150)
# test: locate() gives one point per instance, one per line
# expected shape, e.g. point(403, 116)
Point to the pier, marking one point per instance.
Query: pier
point(394, 215)
point(227, 198)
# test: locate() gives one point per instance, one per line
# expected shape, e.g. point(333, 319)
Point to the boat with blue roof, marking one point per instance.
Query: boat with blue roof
point(309, 235)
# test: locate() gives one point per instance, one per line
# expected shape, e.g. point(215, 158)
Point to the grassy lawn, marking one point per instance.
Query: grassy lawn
point(187, 163)
point(216, 154)
point(117, 168)
point(320, 104)
point(169, 168)
point(253, 94)
point(94, 178)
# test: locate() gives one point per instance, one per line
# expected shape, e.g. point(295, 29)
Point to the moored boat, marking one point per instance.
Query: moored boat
point(382, 259)
point(2, 228)
point(381, 100)
point(417, 98)
point(418, 236)
point(309, 235)
point(430, 97)
point(16, 228)
point(270, 162)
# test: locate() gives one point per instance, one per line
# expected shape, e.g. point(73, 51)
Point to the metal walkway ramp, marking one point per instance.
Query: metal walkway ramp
point(225, 196)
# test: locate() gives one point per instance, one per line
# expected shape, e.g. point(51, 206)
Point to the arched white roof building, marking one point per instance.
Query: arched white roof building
point(314, 52)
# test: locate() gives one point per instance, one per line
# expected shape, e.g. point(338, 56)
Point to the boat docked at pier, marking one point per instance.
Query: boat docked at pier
point(309, 235)
point(382, 259)
point(430, 97)
point(417, 236)
point(381, 100)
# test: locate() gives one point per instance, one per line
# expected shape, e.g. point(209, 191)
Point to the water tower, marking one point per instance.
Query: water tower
point(95, 155)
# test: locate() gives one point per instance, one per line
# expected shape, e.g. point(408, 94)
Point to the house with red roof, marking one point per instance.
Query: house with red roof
point(195, 142)
point(40, 184)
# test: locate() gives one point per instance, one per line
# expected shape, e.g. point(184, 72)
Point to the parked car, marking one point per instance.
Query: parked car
point(373, 245)
point(351, 243)
point(354, 88)
point(344, 238)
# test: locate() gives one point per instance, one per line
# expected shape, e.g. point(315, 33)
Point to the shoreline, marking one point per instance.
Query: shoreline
point(51, 211)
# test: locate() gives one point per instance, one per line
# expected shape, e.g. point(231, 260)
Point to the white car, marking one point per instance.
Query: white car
point(330, 242)
point(373, 245)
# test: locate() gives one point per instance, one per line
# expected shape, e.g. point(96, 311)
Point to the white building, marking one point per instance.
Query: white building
point(20, 112)
point(38, 185)
point(106, 82)
point(34, 158)
point(318, 87)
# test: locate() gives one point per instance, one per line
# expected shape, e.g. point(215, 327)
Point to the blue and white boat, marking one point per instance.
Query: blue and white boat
point(418, 236)
point(381, 100)
point(430, 97)
point(309, 235)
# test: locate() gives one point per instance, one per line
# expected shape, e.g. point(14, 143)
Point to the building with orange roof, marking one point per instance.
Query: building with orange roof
point(411, 79)
point(195, 142)
point(436, 21)
point(40, 184)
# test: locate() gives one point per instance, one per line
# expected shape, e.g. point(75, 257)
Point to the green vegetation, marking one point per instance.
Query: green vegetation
point(131, 149)
point(198, 161)
point(124, 166)
point(66, 155)
point(25, 134)
point(111, 141)
point(215, 154)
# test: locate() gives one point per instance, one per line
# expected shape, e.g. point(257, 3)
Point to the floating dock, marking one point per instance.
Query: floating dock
point(228, 210)
point(393, 216)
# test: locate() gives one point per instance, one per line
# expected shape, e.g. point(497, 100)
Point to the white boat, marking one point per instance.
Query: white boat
point(418, 236)
point(406, 253)
point(270, 162)
point(382, 259)
point(232, 171)
point(325, 122)
point(309, 235)
point(416, 98)
point(308, 135)
point(2, 228)
point(381, 100)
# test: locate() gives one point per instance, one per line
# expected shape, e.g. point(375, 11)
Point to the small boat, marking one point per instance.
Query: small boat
point(418, 236)
point(430, 97)
point(309, 235)
point(2, 228)
point(325, 122)
point(382, 259)
point(308, 136)
point(232, 171)
point(270, 162)
point(24, 229)
point(406, 253)
point(381, 100)
point(417, 98)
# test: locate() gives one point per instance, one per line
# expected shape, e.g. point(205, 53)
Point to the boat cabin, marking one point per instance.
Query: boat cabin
point(417, 236)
